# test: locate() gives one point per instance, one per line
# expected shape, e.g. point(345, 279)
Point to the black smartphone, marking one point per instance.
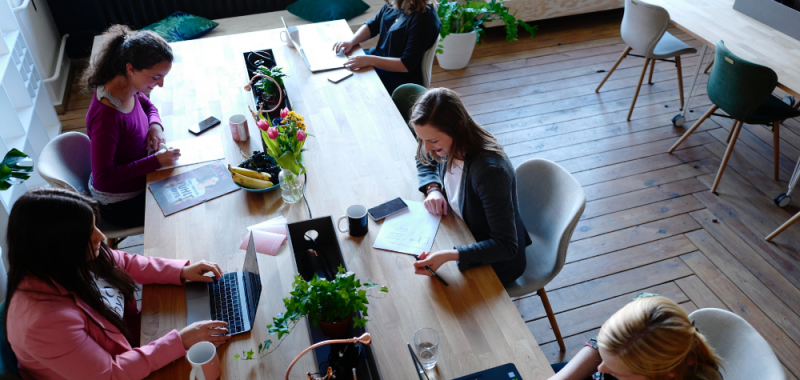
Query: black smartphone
point(203, 125)
point(389, 208)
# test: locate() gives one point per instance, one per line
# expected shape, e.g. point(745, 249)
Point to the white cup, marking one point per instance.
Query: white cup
point(239, 130)
point(285, 38)
point(204, 360)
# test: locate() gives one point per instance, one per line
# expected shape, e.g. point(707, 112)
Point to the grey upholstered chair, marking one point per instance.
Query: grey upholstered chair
point(551, 202)
point(746, 353)
point(644, 29)
point(65, 164)
point(427, 64)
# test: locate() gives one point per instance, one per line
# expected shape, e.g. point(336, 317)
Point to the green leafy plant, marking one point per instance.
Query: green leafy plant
point(266, 85)
point(11, 172)
point(320, 300)
point(465, 18)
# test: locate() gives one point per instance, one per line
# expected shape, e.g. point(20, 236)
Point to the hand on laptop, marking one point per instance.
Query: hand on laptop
point(346, 45)
point(197, 271)
point(204, 331)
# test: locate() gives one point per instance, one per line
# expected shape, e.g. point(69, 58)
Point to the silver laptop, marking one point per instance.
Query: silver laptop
point(318, 56)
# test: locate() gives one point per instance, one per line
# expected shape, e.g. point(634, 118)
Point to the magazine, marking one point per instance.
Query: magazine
point(191, 188)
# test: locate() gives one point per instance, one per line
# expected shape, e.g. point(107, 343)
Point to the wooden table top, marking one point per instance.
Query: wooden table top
point(362, 153)
point(713, 20)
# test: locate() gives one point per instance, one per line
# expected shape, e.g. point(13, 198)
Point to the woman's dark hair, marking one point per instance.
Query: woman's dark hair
point(442, 109)
point(121, 45)
point(411, 6)
point(49, 238)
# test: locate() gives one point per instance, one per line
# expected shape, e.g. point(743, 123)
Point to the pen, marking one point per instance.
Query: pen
point(433, 273)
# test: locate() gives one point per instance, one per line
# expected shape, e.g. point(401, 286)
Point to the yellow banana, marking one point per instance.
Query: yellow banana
point(250, 183)
point(249, 173)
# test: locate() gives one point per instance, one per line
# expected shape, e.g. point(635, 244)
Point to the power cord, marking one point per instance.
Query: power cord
point(305, 181)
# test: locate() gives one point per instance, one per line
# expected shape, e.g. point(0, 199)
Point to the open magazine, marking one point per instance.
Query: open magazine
point(191, 188)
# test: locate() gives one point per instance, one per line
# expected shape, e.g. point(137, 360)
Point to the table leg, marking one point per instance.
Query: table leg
point(694, 78)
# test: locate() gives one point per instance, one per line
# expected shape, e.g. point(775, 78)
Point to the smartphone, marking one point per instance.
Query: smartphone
point(203, 125)
point(389, 208)
point(339, 76)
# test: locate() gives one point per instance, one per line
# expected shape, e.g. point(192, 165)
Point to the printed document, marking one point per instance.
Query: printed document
point(197, 149)
point(410, 232)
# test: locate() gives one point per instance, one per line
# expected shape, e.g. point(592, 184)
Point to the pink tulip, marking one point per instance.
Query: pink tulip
point(272, 132)
point(263, 125)
point(284, 112)
point(301, 135)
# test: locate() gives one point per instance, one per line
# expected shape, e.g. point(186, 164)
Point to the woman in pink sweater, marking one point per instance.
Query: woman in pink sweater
point(70, 297)
point(124, 127)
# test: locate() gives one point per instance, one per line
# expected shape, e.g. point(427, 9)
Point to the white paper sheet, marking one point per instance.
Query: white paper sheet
point(197, 149)
point(411, 232)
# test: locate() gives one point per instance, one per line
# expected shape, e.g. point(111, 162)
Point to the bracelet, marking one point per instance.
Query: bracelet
point(432, 186)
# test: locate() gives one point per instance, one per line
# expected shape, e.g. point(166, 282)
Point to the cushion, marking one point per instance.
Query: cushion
point(181, 26)
point(327, 10)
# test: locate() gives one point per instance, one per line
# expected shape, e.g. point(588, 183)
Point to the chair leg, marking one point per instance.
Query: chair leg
point(709, 66)
point(550, 316)
point(638, 87)
point(680, 78)
point(696, 124)
point(776, 148)
point(783, 227)
point(737, 127)
point(730, 133)
point(621, 57)
point(652, 68)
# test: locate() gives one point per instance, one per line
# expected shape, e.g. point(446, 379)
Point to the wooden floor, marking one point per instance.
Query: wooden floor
point(650, 222)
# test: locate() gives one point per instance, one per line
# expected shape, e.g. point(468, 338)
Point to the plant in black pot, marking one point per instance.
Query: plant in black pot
point(267, 89)
point(334, 305)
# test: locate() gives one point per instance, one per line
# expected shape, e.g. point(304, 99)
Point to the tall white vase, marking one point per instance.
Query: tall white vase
point(456, 50)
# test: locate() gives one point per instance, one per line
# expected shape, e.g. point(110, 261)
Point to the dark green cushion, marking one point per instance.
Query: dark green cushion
point(327, 10)
point(181, 26)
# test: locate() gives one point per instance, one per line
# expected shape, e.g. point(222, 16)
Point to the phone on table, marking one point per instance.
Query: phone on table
point(389, 208)
point(203, 125)
point(340, 75)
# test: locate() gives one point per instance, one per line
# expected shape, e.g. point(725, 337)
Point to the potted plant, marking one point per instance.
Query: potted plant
point(267, 88)
point(284, 141)
point(462, 28)
point(334, 302)
point(15, 168)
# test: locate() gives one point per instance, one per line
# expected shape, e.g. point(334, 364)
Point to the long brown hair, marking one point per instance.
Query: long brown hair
point(49, 238)
point(654, 337)
point(411, 6)
point(121, 45)
point(442, 109)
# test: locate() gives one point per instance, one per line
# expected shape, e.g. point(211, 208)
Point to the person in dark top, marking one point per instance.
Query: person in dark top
point(407, 28)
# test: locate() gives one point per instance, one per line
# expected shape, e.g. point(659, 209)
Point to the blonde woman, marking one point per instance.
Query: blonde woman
point(649, 339)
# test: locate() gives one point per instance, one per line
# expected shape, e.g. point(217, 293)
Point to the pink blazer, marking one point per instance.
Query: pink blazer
point(55, 335)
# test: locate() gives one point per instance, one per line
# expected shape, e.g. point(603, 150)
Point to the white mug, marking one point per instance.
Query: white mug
point(239, 130)
point(285, 38)
point(204, 360)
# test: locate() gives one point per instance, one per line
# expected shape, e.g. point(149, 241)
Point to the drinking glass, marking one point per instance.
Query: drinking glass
point(426, 341)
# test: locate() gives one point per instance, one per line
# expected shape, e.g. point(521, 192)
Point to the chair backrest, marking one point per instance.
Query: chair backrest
point(643, 25)
point(746, 353)
point(551, 202)
point(427, 63)
point(404, 98)
point(737, 86)
point(65, 162)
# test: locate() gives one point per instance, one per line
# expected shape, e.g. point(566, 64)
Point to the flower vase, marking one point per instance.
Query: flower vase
point(291, 188)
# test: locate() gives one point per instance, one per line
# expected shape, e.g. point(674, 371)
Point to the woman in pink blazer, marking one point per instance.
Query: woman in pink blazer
point(70, 296)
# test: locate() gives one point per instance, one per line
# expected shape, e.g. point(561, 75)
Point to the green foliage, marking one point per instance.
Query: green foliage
point(266, 85)
point(10, 168)
point(321, 300)
point(465, 18)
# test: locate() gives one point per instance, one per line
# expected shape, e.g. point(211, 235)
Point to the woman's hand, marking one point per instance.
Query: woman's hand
point(434, 260)
point(155, 137)
point(196, 272)
point(167, 157)
point(204, 331)
point(358, 61)
point(435, 203)
point(346, 45)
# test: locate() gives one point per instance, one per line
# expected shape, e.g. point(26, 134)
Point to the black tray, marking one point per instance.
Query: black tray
point(250, 57)
point(327, 245)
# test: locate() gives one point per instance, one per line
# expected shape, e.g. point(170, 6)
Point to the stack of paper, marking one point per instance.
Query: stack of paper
point(410, 232)
point(267, 236)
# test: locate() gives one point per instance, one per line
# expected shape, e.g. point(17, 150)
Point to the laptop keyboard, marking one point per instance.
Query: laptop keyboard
point(225, 303)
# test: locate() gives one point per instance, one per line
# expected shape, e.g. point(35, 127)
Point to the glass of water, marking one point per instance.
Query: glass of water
point(426, 341)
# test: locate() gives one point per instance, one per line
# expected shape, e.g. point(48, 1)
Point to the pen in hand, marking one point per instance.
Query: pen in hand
point(432, 272)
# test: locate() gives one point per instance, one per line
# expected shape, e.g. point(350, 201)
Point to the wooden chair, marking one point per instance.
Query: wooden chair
point(743, 90)
point(551, 202)
point(644, 29)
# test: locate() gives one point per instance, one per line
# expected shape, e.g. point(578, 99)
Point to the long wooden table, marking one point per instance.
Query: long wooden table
point(361, 153)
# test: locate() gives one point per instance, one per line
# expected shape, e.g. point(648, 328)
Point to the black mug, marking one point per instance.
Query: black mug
point(357, 222)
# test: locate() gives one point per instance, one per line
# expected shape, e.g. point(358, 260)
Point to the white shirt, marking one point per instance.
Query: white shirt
point(111, 295)
point(452, 185)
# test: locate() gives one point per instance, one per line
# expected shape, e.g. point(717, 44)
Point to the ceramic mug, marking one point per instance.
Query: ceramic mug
point(204, 360)
point(239, 128)
point(357, 222)
point(285, 38)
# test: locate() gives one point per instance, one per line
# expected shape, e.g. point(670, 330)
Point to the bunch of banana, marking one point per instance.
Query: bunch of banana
point(250, 179)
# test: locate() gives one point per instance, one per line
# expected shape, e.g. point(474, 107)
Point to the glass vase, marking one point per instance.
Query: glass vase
point(291, 188)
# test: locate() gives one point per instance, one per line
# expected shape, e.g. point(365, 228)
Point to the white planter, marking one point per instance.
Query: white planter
point(457, 50)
